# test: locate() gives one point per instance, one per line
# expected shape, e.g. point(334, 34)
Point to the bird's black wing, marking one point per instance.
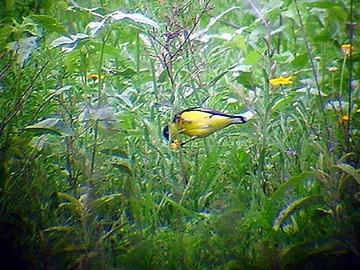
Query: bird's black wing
point(209, 111)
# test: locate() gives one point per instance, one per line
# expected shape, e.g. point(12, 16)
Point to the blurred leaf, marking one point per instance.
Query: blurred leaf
point(293, 207)
point(279, 29)
point(282, 103)
point(291, 182)
point(163, 76)
point(68, 44)
point(38, 142)
point(73, 204)
point(5, 32)
point(136, 17)
point(105, 199)
point(200, 34)
point(312, 91)
point(123, 167)
point(61, 41)
point(95, 28)
point(50, 24)
point(128, 72)
point(52, 126)
point(349, 170)
point(246, 79)
point(103, 113)
point(297, 253)
point(322, 4)
point(182, 208)
point(115, 152)
point(300, 61)
point(61, 229)
point(124, 97)
point(252, 58)
point(23, 49)
point(285, 57)
point(108, 50)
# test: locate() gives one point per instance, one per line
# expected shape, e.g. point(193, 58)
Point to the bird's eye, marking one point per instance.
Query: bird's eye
point(166, 132)
point(177, 118)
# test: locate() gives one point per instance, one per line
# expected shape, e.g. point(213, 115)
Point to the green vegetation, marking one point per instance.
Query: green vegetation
point(87, 180)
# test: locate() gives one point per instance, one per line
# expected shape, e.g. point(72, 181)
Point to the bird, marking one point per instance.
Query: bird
point(200, 123)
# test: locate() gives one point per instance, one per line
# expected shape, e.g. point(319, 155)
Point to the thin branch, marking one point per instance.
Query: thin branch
point(19, 103)
point(197, 20)
point(90, 10)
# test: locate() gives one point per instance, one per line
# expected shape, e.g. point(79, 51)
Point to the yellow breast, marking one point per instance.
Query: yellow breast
point(201, 124)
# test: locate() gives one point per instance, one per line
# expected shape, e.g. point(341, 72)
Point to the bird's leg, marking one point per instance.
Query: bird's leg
point(192, 138)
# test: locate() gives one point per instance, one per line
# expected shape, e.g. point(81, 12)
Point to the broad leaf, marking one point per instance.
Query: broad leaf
point(123, 167)
point(293, 207)
point(50, 24)
point(52, 126)
point(136, 17)
point(23, 49)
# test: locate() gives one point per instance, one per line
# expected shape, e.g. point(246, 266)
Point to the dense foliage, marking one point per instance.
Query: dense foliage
point(87, 180)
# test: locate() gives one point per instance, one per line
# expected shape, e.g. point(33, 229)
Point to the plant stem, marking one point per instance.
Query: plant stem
point(313, 70)
point(351, 36)
point(93, 155)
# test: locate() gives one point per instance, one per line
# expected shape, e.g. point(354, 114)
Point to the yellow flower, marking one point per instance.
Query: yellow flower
point(358, 110)
point(332, 69)
point(94, 76)
point(345, 118)
point(346, 48)
point(281, 81)
point(175, 145)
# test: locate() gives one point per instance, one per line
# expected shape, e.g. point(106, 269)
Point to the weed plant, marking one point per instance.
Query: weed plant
point(88, 182)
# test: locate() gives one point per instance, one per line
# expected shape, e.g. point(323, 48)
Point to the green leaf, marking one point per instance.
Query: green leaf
point(182, 208)
point(50, 24)
point(279, 29)
point(252, 58)
point(115, 152)
point(23, 49)
point(73, 204)
point(61, 229)
point(95, 28)
point(136, 17)
point(285, 57)
point(123, 167)
point(300, 252)
point(69, 198)
point(68, 44)
point(246, 79)
point(293, 207)
point(5, 32)
point(349, 170)
point(51, 126)
point(323, 4)
point(61, 41)
point(218, 77)
point(108, 50)
point(105, 199)
point(300, 61)
point(293, 181)
point(282, 103)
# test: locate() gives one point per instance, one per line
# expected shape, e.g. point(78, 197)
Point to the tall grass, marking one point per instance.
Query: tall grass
point(88, 182)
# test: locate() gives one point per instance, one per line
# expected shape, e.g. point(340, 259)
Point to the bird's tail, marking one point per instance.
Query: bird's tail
point(243, 117)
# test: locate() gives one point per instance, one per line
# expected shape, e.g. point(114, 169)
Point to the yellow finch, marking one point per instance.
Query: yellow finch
point(200, 123)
